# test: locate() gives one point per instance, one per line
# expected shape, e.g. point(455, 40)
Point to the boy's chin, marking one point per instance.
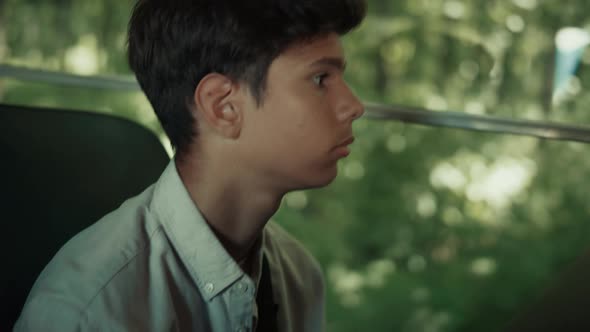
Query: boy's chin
point(318, 180)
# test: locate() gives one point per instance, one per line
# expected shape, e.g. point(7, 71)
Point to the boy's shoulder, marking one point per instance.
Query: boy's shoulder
point(90, 261)
point(112, 241)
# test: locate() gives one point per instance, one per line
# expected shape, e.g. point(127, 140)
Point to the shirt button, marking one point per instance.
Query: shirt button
point(242, 287)
point(209, 287)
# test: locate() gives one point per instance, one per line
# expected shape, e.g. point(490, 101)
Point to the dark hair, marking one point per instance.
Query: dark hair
point(173, 44)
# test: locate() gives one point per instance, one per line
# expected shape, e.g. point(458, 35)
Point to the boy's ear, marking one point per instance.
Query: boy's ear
point(216, 103)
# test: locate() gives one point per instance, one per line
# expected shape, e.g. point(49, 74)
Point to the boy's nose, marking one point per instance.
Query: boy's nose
point(358, 109)
point(351, 107)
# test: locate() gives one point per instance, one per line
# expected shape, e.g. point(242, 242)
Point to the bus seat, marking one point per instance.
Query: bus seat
point(60, 171)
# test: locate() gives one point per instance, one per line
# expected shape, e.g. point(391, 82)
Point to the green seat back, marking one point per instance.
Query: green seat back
point(61, 171)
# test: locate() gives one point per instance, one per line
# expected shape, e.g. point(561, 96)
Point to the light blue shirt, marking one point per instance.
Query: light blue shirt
point(155, 265)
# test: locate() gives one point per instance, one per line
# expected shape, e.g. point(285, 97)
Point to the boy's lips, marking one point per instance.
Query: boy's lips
point(347, 141)
point(342, 149)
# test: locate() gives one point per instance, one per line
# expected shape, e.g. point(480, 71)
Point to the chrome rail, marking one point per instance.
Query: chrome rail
point(540, 129)
point(57, 78)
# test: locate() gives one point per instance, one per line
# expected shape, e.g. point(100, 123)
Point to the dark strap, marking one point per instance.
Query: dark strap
point(267, 308)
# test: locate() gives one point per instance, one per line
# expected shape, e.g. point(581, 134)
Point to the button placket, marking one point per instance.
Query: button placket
point(240, 292)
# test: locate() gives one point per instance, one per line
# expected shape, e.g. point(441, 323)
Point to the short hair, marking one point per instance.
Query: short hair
point(173, 44)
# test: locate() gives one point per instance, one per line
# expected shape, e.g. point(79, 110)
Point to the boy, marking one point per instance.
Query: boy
point(252, 96)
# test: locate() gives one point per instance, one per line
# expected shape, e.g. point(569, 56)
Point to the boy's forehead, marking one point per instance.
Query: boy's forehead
point(324, 50)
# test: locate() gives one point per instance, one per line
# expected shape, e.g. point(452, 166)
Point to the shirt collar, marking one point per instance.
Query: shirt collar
point(209, 264)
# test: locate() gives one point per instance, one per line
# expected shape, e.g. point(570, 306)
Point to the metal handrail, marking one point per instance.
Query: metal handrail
point(540, 129)
point(126, 83)
point(414, 115)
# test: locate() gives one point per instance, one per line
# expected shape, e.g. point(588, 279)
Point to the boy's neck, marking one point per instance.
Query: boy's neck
point(232, 204)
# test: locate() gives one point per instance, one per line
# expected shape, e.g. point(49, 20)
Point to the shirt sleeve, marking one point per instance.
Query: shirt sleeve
point(49, 315)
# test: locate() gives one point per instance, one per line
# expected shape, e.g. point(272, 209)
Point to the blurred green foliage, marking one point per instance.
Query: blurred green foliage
point(425, 229)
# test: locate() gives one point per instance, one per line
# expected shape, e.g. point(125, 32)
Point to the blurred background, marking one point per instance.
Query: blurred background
point(425, 229)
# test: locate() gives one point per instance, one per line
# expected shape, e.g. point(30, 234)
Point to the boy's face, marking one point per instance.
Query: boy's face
point(304, 124)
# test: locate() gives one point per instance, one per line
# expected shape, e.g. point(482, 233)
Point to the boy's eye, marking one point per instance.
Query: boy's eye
point(319, 79)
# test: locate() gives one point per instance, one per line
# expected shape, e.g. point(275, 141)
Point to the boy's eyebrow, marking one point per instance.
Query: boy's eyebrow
point(336, 62)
